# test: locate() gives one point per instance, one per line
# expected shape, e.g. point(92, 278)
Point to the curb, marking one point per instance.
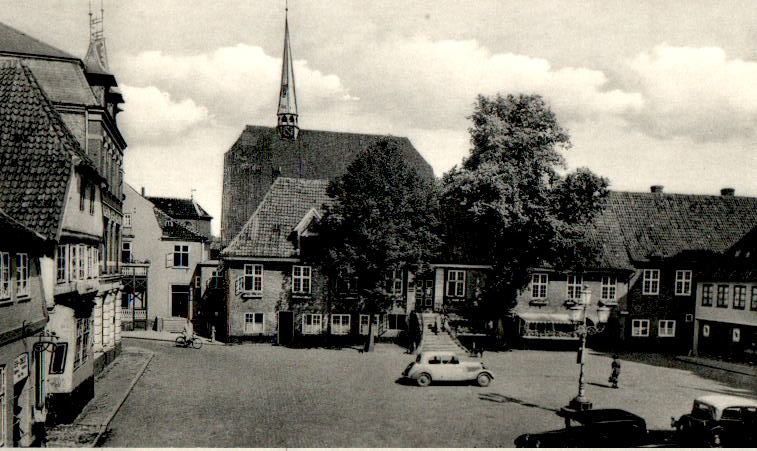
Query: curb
point(715, 365)
point(166, 340)
point(136, 378)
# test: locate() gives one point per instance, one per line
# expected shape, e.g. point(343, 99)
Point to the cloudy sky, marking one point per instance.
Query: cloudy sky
point(651, 92)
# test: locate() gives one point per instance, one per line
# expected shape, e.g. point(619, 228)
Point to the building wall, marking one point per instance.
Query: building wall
point(728, 314)
point(557, 292)
point(663, 306)
point(19, 365)
point(76, 220)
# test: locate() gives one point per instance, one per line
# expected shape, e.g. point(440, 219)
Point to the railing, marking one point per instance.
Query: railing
point(128, 314)
point(134, 269)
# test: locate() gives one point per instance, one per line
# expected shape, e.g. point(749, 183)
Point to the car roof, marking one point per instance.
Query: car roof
point(721, 402)
point(603, 416)
point(438, 353)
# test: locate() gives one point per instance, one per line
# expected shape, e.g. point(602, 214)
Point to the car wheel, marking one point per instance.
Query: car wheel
point(483, 379)
point(424, 380)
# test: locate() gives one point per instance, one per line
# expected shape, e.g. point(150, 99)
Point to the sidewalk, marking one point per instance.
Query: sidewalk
point(112, 387)
point(721, 365)
point(163, 336)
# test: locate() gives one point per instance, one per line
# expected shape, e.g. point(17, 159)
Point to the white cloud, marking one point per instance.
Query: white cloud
point(239, 84)
point(152, 115)
point(696, 92)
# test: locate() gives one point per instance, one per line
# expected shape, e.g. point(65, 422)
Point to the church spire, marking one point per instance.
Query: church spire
point(288, 123)
point(97, 57)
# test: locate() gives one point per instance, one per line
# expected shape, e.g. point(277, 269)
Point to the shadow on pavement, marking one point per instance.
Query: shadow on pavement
point(496, 397)
point(599, 385)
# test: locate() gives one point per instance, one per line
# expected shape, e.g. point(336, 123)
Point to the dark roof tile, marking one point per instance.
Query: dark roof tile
point(180, 208)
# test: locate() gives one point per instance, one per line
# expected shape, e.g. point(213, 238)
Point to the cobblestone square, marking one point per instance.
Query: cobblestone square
point(257, 395)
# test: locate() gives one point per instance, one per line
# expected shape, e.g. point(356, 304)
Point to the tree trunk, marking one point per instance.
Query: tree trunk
point(369, 343)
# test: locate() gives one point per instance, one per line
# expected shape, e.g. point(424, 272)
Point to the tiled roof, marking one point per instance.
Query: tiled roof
point(259, 156)
point(173, 229)
point(16, 42)
point(36, 151)
point(268, 231)
point(180, 208)
point(739, 264)
point(658, 225)
point(11, 227)
point(63, 81)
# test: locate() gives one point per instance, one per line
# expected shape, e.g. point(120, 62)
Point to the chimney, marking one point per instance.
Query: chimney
point(143, 191)
point(656, 188)
point(727, 192)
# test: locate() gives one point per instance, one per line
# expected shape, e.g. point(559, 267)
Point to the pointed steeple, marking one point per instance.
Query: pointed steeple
point(97, 56)
point(288, 122)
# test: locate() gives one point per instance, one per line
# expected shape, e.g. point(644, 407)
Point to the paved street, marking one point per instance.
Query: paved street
point(261, 395)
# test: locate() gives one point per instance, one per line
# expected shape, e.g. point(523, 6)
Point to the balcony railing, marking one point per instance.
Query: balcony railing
point(134, 269)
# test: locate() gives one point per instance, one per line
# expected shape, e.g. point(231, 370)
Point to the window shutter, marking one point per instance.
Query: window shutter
point(169, 260)
point(238, 285)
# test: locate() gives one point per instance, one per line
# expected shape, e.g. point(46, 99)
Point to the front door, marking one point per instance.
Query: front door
point(180, 301)
point(424, 294)
point(286, 328)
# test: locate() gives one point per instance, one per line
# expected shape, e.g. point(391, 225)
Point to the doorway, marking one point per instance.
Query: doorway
point(180, 301)
point(286, 328)
point(424, 294)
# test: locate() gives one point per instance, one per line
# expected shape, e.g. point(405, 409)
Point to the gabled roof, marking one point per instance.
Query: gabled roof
point(180, 208)
point(37, 152)
point(738, 264)
point(16, 42)
point(268, 231)
point(658, 225)
point(259, 155)
point(11, 227)
point(173, 229)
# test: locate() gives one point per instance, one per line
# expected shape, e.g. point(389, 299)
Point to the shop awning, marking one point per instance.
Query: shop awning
point(534, 317)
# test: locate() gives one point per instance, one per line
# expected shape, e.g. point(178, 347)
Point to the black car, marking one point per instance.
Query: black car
point(719, 420)
point(596, 428)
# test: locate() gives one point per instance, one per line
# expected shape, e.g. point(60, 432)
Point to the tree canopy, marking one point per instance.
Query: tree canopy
point(508, 203)
point(383, 217)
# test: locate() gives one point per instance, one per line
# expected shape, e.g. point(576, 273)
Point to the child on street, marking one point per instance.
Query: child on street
point(615, 374)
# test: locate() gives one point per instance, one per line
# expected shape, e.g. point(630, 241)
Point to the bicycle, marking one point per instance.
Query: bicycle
point(195, 342)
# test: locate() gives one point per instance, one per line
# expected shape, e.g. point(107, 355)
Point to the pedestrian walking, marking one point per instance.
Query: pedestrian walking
point(615, 374)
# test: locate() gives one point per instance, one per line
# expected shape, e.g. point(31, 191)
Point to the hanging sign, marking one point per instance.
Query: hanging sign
point(20, 367)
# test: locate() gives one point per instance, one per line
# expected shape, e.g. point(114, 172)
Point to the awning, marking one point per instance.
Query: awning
point(534, 317)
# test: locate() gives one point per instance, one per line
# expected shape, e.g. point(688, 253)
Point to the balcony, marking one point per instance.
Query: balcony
point(135, 269)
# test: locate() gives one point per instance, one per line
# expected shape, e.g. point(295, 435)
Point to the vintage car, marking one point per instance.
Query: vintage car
point(446, 367)
point(719, 420)
point(596, 428)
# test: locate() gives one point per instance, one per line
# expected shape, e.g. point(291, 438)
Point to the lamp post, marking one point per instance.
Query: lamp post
point(581, 402)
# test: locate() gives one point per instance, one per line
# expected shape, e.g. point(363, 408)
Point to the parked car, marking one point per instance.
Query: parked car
point(446, 366)
point(597, 428)
point(719, 420)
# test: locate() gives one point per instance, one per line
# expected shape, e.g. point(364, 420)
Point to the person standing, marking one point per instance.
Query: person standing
point(615, 374)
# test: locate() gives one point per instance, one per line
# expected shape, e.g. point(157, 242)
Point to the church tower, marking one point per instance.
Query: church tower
point(287, 124)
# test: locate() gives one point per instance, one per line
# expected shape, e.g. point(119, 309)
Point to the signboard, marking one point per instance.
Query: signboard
point(20, 367)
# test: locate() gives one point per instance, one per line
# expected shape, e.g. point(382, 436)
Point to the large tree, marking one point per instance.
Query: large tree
point(510, 204)
point(383, 217)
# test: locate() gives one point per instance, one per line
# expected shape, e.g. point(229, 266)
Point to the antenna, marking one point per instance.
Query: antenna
point(192, 193)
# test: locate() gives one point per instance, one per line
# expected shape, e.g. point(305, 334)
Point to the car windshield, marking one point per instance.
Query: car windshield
point(701, 411)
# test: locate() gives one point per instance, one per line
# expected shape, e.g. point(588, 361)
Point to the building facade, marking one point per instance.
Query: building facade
point(165, 253)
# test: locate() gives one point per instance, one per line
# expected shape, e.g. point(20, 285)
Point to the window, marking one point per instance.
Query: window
point(60, 263)
point(609, 288)
point(707, 295)
point(683, 283)
point(739, 297)
point(5, 275)
point(181, 256)
point(364, 324)
point(92, 194)
point(82, 193)
point(73, 254)
point(82, 262)
point(666, 328)
point(253, 323)
point(640, 328)
point(394, 282)
point(340, 324)
point(198, 281)
point(301, 281)
point(723, 296)
point(253, 278)
point(539, 285)
point(753, 301)
point(22, 275)
point(126, 252)
point(311, 324)
point(574, 287)
point(706, 330)
point(455, 283)
point(127, 219)
point(651, 281)
point(58, 358)
point(736, 335)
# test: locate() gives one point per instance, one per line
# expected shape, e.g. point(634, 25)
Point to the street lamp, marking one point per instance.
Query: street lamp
point(578, 313)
